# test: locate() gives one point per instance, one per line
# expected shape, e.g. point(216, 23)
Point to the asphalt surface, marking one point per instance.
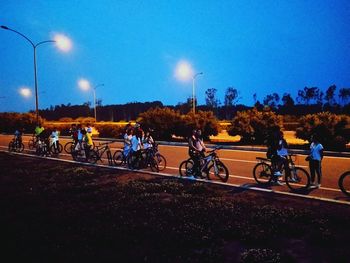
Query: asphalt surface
point(240, 164)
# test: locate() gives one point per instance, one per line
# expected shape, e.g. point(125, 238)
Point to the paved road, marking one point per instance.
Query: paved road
point(240, 165)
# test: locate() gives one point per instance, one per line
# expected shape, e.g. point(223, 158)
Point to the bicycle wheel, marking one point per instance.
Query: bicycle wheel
point(118, 158)
point(54, 149)
point(344, 183)
point(92, 157)
point(161, 161)
point(11, 147)
point(153, 163)
point(69, 147)
point(262, 173)
point(185, 168)
point(218, 170)
point(19, 147)
point(299, 179)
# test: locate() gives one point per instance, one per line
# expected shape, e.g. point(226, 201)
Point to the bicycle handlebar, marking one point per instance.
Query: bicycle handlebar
point(215, 149)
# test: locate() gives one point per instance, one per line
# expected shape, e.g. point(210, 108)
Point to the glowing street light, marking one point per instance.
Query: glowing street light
point(84, 84)
point(185, 72)
point(25, 92)
point(61, 42)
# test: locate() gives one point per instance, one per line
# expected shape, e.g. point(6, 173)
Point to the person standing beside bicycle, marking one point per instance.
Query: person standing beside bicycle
point(272, 147)
point(87, 141)
point(54, 138)
point(315, 158)
point(127, 141)
point(135, 147)
point(194, 152)
point(200, 143)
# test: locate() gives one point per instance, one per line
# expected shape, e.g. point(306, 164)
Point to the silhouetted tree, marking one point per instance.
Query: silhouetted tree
point(308, 94)
point(231, 98)
point(330, 95)
point(271, 100)
point(211, 99)
point(344, 95)
point(287, 100)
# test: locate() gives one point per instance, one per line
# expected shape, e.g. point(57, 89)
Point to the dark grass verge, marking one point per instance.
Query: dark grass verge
point(57, 212)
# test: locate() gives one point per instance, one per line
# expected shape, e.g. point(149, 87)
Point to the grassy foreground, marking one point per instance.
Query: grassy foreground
point(58, 212)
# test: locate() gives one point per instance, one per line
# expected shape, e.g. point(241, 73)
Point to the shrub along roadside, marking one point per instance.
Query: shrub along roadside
point(333, 130)
point(166, 122)
point(253, 125)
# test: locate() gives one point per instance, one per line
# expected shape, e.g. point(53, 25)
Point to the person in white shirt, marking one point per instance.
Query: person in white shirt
point(282, 154)
point(127, 141)
point(54, 138)
point(135, 149)
point(315, 159)
point(147, 140)
point(200, 143)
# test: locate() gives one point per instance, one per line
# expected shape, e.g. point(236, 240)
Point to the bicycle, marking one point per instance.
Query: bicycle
point(142, 160)
point(99, 150)
point(70, 146)
point(344, 183)
point(55, 146)
point(298, 178)
point(15, 146)
point(154, 152)
point(210, 167)
point(42, 147)
point(119, 158)
point(81, 154)
point(32, 142)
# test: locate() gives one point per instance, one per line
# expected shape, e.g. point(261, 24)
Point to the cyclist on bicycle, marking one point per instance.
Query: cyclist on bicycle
point(38, 130)
point(54, 137)
point(272, 148)
point(194, 152)
point(282, 155)
point(135, 147)
point(74, 132)
point(18, 136)
point(147, 140)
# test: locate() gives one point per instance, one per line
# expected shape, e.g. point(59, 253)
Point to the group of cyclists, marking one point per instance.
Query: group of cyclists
point(137, 142)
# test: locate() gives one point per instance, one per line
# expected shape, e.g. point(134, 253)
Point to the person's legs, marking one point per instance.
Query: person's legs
point(312, 171)
point(196, 163)
point(318, 171)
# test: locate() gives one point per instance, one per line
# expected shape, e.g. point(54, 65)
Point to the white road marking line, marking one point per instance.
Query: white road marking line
point(202, 180)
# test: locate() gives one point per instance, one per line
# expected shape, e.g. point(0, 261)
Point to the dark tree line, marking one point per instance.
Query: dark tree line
point(309, 100)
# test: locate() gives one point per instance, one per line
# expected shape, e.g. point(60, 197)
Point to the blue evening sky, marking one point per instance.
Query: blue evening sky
point(132, 47)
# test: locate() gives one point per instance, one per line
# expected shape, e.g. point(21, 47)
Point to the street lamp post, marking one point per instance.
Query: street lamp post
point(94, 90)
point(193, 91)
point(35, 67)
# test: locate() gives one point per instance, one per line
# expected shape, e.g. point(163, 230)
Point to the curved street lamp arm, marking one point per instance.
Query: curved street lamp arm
point(46, 41)
point(99, 85)
point(199, 73)
point(7, 28)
